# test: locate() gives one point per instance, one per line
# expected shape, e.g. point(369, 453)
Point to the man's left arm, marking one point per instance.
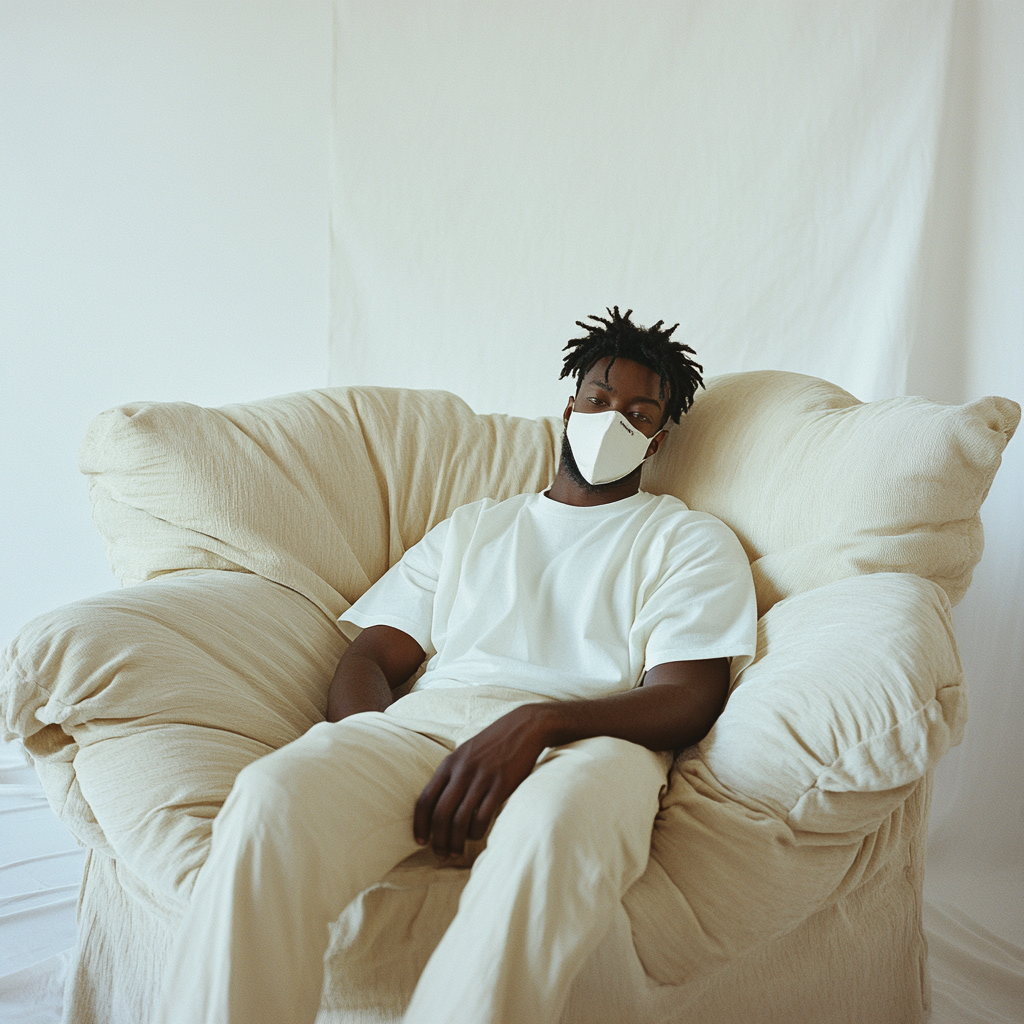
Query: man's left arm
point(675, 707)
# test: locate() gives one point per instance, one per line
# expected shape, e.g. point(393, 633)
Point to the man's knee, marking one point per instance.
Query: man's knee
point(595, 787)
point(604, 768)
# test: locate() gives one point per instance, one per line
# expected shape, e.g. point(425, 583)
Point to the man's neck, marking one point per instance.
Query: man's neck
point(570, 492)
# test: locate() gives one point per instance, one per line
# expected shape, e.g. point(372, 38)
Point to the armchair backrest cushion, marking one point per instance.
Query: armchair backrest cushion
point(820, 487)
point(322, 491)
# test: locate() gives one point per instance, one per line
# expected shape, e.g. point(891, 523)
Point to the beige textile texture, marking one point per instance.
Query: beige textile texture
point(323, 490)
point(139, 707)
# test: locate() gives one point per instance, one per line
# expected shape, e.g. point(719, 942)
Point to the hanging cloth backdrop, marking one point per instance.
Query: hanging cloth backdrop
point(826, 187)
point(758, 172)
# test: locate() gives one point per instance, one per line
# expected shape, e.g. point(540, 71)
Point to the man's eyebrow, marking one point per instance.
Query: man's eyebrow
point(607, 386)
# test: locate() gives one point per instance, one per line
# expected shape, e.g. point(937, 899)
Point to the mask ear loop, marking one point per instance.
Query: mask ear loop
point(661, 430)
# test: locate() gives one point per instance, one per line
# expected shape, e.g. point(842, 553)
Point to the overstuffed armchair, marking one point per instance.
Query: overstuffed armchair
point(787, 859)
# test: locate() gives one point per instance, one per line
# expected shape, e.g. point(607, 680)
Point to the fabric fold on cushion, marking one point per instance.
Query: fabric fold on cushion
point(726, 878)
point(141, 706)
point(814, 774)
point(855, 693)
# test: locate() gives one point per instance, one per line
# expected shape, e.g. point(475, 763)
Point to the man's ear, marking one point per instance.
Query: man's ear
point(656, 443)
point(568, 409)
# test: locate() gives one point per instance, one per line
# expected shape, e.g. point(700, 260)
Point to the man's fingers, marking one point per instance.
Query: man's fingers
point(485, 812)
point(445, 809)
point(424, 810)
point(464, 818)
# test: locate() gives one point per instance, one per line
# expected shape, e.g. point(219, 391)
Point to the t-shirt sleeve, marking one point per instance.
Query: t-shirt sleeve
point(704, 605)
point(404, 596)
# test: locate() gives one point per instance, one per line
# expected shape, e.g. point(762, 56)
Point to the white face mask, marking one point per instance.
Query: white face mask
point(606, 447)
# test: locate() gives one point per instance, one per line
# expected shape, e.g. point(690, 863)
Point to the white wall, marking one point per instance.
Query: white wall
point(758, 172)
point(163, 236)
point(973, 344)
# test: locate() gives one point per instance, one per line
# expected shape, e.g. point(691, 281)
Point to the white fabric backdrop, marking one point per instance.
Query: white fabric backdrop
point(759, 172)
point(824, 187)
point(831, 188)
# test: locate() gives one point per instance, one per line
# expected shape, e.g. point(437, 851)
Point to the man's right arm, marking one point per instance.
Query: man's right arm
point(378, 661)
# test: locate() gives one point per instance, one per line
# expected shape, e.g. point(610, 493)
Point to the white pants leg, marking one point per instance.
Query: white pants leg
point(564, 850)
point(304, 830)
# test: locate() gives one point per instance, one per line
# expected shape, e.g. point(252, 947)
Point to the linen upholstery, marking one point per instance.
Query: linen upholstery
point(321, 491)
point(873, 699)
point(139, 707)
point(767, 807)
point(160, 694)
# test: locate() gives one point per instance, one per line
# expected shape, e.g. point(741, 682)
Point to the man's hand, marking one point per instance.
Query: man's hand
point(471, 784)
point(677, 705)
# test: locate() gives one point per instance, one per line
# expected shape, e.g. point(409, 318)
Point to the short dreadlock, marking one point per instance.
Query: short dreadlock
point(619, 338)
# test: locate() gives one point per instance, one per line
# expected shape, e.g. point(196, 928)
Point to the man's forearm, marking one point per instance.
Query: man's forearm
point(662, 717)
point(359, 685)
point(676, 706)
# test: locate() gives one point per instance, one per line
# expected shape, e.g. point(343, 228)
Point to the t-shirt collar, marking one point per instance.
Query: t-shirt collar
point(559, 508)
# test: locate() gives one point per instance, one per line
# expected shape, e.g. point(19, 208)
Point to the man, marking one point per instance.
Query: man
point(571, 638)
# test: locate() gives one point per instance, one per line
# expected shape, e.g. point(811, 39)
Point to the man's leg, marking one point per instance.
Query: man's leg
point(563, 851)
point(304, 830)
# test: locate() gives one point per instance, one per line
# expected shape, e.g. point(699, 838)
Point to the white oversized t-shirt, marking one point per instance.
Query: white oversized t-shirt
point(566, 601)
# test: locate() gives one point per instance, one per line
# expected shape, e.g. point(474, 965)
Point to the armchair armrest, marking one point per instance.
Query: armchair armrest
point(140, 706)
point(800, 792)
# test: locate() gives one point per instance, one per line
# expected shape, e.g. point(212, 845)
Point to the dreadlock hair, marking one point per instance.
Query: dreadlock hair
point(620, 338)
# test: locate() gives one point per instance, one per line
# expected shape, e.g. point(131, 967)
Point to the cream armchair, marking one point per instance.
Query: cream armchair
point(787, 860)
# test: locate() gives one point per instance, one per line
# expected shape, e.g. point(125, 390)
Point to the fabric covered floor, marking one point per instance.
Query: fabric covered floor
point(977, 974)
point(40, 872)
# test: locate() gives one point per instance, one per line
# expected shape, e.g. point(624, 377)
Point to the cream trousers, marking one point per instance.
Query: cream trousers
point(308, 827)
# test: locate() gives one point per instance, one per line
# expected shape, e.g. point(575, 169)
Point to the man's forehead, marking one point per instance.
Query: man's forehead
point(612, 373)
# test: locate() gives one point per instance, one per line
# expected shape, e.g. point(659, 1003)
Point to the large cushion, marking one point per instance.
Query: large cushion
point(855, 694)
point(819, 486)
point(139, 708)
point(323, 490)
